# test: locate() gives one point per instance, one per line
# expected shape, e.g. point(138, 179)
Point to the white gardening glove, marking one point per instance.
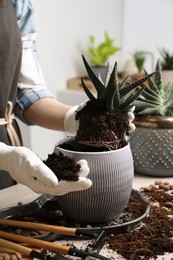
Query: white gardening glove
point(131, 117)
point(27, 168)
point(70, 123)
point(83, 183)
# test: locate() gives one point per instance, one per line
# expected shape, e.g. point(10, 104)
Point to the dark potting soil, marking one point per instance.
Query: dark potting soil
point(72, 145)
point(101, 128)
point(64, 167)
point(154, 236)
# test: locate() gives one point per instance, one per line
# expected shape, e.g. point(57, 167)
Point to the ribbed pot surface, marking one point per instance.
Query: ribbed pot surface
point(112, 175)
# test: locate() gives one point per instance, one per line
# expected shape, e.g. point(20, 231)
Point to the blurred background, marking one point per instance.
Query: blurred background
point(63, 35)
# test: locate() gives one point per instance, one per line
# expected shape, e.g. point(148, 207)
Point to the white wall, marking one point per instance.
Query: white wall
point(63, 29)
point(147, 25)
point(67, 25)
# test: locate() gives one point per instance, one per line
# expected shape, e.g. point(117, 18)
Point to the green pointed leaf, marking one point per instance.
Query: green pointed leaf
point(141, 105)
point(149, 94)
point(152, 111)
point(107, 74)
point(130, 87)
point(132, 98)
point(147, 101)
point(124, 83)
point(158, 77)
point(88, 93)
point(153, 85)
point(94, 79)
point(111, 91)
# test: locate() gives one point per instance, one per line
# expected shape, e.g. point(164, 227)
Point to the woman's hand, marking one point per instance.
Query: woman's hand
point(27, 168)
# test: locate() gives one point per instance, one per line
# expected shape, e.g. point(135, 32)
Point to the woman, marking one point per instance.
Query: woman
point(23, 93)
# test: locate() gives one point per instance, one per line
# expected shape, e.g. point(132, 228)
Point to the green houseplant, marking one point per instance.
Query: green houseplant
point(139, 58)
point(101, 140)
point(166, 65)
point(99, 54)
point(167, 60)
point(152, 142)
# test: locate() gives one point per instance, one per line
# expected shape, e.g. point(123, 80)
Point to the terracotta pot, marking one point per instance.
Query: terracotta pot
point(152, 146)
point(112, 175)
point(167, 76)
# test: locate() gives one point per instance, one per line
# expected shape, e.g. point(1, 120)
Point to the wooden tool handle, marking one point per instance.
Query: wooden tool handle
point(38, 226)
point(36, 242)
point(16, 247)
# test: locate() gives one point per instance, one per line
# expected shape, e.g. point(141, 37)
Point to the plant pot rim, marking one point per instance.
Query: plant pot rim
point(156, 122)
point(90, 153)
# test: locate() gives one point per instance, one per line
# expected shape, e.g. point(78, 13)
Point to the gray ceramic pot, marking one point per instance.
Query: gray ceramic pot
point(152, 146)
point(112, 175)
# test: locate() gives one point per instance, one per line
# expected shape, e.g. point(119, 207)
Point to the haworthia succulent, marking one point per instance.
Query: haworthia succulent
point(157, 99)
point(111, 93)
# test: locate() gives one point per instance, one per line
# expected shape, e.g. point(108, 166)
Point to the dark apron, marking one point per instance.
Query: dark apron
point(10, 61)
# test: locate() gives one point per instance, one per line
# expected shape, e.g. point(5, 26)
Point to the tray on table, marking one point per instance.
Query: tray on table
point(25, 211)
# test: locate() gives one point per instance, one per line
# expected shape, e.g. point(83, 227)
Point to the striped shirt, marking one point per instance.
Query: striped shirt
point(31, 85)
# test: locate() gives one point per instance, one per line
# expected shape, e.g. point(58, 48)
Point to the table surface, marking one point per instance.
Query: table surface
point(19, 193)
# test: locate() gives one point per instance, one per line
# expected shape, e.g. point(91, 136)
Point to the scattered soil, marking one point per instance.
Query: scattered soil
point(151, 238)
point(50, 213)
point(64, 167)
point(154, 236)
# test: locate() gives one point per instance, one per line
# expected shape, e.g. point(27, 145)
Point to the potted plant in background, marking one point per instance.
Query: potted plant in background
point(152, 142)
point(99, 54)
point(101, 139)
point(166, 66)
point(136, 65)
point(139, 58)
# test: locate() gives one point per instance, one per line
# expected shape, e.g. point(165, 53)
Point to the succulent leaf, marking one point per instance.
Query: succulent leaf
point(156, 100)
point(150, 95)
point(132, 98)
point(123, 83)
point(158, 77)
point(167, 60)
point(153, 111)
point(152, 84)
point(141, 105)
point(108, 72)
point(111, 91)
point(88, 93)
point(99, 86)
point(134, 85)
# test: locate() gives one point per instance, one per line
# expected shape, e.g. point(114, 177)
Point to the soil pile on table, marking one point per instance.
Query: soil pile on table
point(154, 236)
point(64, 167)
